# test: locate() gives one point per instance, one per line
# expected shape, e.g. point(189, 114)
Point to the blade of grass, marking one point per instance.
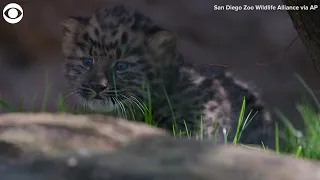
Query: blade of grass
point(277, 145)
point(149, 104)
point(299, 150)
point(240, 119)
point(61, 104)
point(7, 106)
point(170, 106)
point(20, 109)
point(309, 90)
point(46, 93)
point(263, 146)
point(186, 127)
point(225, 134)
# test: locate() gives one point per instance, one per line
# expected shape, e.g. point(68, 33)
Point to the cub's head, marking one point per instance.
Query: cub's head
point(112, 56)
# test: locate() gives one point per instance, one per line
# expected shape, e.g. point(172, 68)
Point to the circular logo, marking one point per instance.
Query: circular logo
point(12, 13)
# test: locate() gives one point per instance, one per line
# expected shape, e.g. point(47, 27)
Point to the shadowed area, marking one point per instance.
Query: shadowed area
point(157, 157)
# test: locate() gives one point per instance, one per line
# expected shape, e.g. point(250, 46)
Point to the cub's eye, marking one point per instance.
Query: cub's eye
point(87, 61)
point(121, 66)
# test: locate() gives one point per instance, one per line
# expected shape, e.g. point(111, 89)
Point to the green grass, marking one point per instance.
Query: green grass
point(300, 145)
point(61, 107)
point(304, 143)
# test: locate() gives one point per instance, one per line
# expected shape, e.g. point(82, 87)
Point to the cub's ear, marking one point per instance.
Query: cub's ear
point(70, 27)
point(162, 42)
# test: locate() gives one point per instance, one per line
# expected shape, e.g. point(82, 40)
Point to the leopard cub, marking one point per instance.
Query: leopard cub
point(118, 61)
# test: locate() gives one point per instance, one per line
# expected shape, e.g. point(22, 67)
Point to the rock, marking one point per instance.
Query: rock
point(52, 134)
point(49, 148)
point(157, 158)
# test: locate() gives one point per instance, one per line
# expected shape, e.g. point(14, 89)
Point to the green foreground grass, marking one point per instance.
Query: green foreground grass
point(301, 143)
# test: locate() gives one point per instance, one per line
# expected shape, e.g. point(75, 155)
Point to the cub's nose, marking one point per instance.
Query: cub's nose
point(98, 87)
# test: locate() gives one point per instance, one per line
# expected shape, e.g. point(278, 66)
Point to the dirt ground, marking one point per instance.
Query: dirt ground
point(253, 44)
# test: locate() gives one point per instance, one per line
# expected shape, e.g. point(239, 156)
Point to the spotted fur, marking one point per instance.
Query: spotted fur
point(153, 68)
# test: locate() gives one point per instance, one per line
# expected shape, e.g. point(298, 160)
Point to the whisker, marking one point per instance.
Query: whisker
point(72, 91)
point(137, 103)
point(138, 100)
point(123, 108)
point(68, 96)
point(71, 97)
point(73, 101)
point(115, 105)
point(83, 102)
point(130, 106)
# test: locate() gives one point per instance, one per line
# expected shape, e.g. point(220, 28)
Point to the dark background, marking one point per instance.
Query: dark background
point(253, 44)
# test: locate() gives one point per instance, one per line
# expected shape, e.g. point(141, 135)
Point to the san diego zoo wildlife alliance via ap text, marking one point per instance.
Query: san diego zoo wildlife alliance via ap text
point(264, 7)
